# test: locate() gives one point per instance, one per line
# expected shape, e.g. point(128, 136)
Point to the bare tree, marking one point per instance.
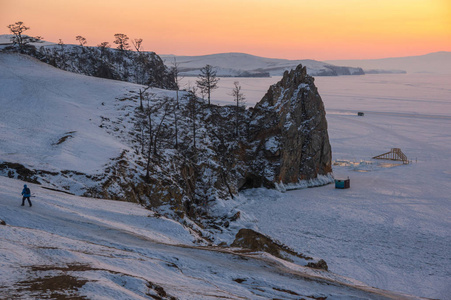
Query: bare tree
point(141, 93)
point(238, 97)
point(193, 111)
point(17, 29)
point(152, 126)
point(176, 73)
point(137, 43)
point(104, 45)
point(140, 126)
point(141, 61)
point(149, 111)
point(81, 40)
point(61, 43)
point(165, 109)
point(121, 40)
point(207, 81)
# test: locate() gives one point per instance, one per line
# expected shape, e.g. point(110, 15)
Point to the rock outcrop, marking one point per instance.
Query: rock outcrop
point(145, 68)
point(288, 130)
point(321, 264)
point(254, 241)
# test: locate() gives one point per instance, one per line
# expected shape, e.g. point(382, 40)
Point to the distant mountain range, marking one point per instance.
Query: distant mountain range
point(436, 63)
point(246, 65)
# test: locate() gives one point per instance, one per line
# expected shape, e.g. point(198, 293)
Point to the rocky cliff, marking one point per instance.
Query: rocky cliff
point(145, 68)
point(289, 134)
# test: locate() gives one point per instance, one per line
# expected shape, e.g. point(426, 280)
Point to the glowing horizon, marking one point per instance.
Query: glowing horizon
point(293, 29)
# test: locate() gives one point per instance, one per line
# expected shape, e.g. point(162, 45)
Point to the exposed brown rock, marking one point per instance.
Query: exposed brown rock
point(255, 241)
point(289, 131)
point(321, 264)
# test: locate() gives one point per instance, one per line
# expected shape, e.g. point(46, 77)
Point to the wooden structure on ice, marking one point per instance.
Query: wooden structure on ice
point(394, 154)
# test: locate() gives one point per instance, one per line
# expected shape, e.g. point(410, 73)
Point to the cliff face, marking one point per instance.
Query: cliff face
point(145, 68)
point(289, 134)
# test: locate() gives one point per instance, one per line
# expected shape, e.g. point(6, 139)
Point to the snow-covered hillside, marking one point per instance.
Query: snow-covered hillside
point(66, 246)
point(50, 120)
point(246, 65)
point(60, 122)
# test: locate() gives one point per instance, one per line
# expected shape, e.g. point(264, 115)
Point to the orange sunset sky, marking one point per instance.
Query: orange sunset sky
point(294, 29)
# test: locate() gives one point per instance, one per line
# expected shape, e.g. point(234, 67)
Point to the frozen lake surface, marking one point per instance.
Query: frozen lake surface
point(395, 93)
point(392, 228)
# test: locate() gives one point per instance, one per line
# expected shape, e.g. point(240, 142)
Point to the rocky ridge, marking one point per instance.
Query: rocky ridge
point(145, 68)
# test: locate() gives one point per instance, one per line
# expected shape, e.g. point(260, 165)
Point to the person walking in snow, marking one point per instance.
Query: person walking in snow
point(26, 195)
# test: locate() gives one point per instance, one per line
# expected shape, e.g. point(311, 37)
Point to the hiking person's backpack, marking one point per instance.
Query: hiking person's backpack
point(27, 191)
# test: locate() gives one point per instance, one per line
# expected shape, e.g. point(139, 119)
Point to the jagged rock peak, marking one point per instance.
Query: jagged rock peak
point(290, 129)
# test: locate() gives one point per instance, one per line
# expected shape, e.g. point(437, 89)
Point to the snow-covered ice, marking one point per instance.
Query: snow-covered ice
point(392, 228)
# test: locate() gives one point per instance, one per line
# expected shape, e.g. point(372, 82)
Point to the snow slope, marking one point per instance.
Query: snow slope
point(103, 249)
point(58, 121)
point(41, 105)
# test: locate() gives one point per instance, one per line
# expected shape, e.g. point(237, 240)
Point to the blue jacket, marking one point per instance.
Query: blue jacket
point(24, 193)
